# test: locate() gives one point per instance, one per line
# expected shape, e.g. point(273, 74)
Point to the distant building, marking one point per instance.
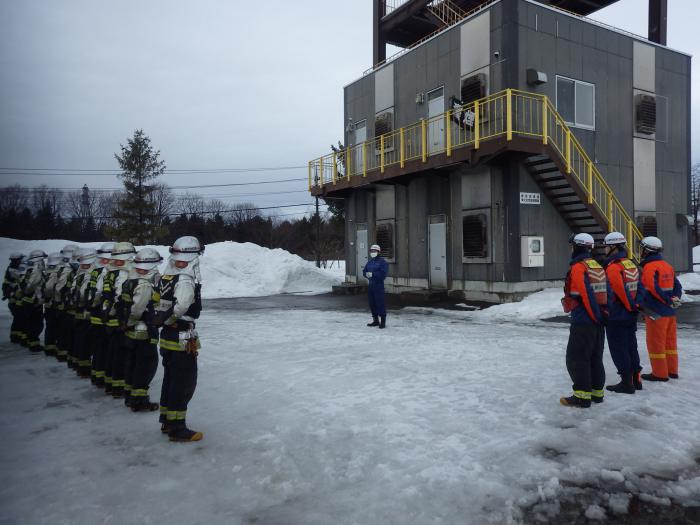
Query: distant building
point(500, 129)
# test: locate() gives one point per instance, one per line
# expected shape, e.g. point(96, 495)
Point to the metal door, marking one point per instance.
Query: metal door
point(360, 137)
point(436, 124)
point(438, 255)
point(362, 253)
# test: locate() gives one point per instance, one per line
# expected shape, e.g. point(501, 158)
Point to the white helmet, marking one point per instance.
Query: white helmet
point(35, 255)
point(105, 250)
point(147, 259)
point(614, 238)
point(53, 260)
point(122, 251)
point(87, 256)
point(583, 239)
point(652, 244)
point(16, 256)
point(186, 249)
point(375, 248)
point(68, 252)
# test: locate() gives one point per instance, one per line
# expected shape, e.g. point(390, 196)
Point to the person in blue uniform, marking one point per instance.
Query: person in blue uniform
point(375, 271)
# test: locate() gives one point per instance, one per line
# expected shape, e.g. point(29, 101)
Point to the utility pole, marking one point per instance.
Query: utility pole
point(318, 236)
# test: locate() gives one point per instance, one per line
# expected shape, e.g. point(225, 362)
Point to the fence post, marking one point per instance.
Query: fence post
point(320, 172)
point(335, 167)
point(589, 184)
point(423, 141)
point(568, 150)
point(448, 131)
point(381, 154)
point(476, 124)
point(610, 212)
point(310, 181)
point(364, 159)
point(402, 148)
point(509, 115)
point(348, 165)
point(544, 121)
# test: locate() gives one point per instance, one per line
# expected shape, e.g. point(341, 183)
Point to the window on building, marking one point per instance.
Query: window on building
point(576, 102)
point(385, 239)
point(384, 124)
point(475, 235)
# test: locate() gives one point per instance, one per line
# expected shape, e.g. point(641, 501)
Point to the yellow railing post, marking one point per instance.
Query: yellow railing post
point(544, 120)
point(568, 150)
point(629, 236)
point(348, 158)
point(402, 146)
point(311, 185)
point(364, 159)
point(381, 154)
point(335, 167)
point(423, 140)
point(448, 132)
point(476, 124)
point(320, 172)
point(509, 115)
point(610, 212)
point(589, 182)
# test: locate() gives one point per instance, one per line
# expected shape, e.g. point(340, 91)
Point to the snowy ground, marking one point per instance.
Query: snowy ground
point(312, 418)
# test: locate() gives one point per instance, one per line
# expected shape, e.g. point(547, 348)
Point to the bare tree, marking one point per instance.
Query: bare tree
point(13, 198)
point(695, 200)
point(242, 213)
point(190, 204)
point(163, 201)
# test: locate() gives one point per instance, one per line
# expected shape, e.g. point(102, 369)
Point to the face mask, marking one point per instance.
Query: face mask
point(373, 254)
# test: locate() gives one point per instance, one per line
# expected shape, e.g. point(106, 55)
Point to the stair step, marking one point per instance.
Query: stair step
point(539, 161)
point(556, 185)
point(547, 174)
point(577, 215)
point(572, 208)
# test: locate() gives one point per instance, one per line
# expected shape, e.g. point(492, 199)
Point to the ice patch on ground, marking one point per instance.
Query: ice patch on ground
point(229, 269)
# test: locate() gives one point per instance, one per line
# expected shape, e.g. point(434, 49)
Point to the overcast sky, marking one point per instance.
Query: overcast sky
point(215, 84)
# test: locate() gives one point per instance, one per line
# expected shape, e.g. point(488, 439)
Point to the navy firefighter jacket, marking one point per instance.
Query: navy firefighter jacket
point(378, 267)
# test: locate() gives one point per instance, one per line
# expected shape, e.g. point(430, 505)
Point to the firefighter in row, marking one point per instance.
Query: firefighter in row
point(9, 287)
point(585, 298)
point(61, 296)
point(81, 351)
point(51, 321)
point(621, 321)
point(97, 336)
point(658, 297)
point(30, 291)
point(178, 307)
point(114, 355)
point(135, 310)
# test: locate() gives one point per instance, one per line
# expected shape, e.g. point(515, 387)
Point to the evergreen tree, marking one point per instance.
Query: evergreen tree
point(136, 209)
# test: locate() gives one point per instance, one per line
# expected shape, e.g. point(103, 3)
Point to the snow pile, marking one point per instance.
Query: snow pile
point(539, 305)
point(696, 259)
point(229, 269)
point(690, 281)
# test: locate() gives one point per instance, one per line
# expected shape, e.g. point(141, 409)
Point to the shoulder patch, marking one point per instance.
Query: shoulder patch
point(628, 264)
point(592, 263)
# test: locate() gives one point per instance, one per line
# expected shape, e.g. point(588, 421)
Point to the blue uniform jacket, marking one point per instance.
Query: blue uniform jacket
point(648, 299)
point(617, 313)
point(580, 315)
point(379, 268)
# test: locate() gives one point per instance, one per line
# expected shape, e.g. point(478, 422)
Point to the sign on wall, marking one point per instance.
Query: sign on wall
point(529, 198)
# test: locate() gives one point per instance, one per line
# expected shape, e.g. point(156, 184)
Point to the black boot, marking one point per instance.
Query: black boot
point(637, 379)
point(625, 386)
point(144, 405)
point(652, 377)
point(180, 432)
point(375, 321)
point(382, 323)
point(573, 401)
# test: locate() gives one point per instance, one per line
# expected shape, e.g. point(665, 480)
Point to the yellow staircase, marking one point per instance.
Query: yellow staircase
point(447, 12)
point(510, 120)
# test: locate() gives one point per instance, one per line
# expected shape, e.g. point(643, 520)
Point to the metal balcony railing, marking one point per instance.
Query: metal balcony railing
point(499, 116)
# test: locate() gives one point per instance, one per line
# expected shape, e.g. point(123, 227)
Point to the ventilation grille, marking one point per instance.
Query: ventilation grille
point(647, 225)
point(646, 114)
point(474, 238)
point(473, 88)
point(383, 124)
point(385, 239)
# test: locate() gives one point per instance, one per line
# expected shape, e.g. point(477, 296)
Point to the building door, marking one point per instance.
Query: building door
point(362, 253)
point(438, 251)
point(360, 137)
point(436, 125)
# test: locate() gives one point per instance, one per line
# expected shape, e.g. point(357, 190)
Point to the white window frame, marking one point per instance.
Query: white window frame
point(556, 101)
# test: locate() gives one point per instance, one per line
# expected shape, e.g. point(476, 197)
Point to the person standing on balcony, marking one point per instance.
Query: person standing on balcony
point(375, 271)
point(621, 322)
point(585, 297)
point(658, 296)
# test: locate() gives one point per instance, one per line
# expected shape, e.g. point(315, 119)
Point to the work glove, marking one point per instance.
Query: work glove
point(675, 302)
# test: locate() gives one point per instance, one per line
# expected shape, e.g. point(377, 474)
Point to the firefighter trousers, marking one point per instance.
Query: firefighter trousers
point(97, 339)
point(81, 346)
point(622, 342)
point(65, 335)
point(584, 360)
point(15, 327)
point(34, 325)
point(141, 366)
point(662, 346)
point(19, 323)
point(114, 371)
point(51, 330)
point(179, 384)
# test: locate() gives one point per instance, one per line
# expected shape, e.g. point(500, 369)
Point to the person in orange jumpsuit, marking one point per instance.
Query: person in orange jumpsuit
point(621, 320)
point(658, 296)
point(585, 297)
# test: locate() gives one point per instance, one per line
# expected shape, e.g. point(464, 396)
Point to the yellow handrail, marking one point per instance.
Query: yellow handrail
point(503, 114)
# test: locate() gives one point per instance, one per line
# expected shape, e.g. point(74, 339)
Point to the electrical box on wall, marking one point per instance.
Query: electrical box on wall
point(532, 251)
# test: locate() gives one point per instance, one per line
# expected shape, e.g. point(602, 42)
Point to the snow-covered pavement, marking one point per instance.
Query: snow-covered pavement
point(312, 418)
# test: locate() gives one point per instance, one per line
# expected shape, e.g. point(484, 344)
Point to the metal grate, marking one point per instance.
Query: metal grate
point(646, 114)
point(647, 224)
point(473, 88)
point(474, 238)
point(385, 239)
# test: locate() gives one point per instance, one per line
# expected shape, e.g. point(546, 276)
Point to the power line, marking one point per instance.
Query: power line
point(194, 186)
point(54, 172)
